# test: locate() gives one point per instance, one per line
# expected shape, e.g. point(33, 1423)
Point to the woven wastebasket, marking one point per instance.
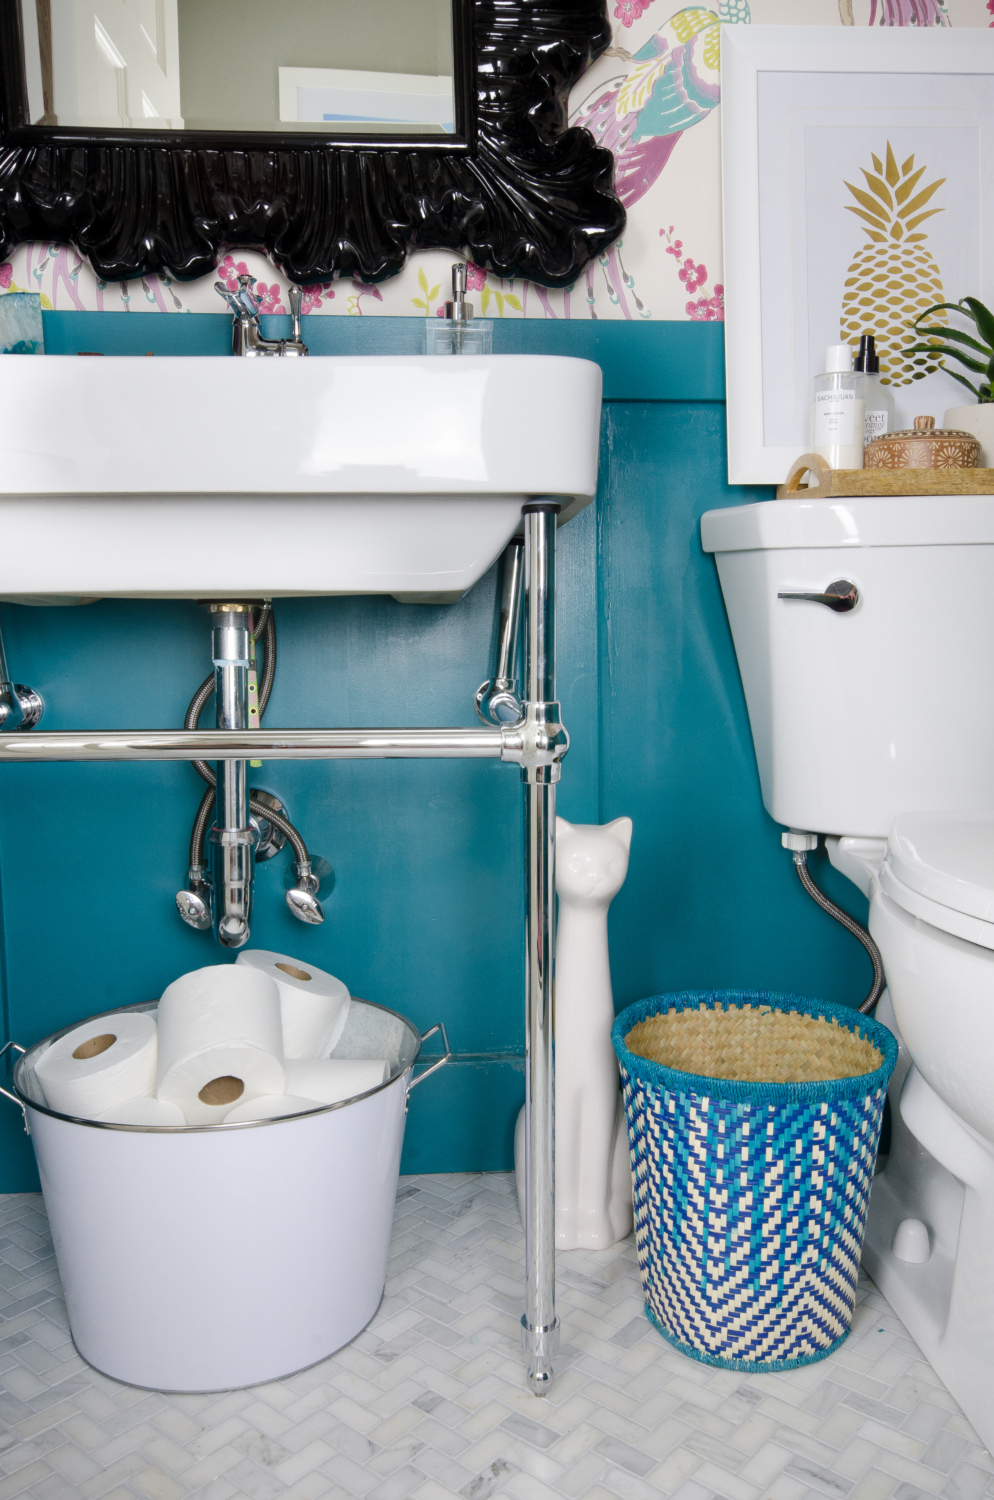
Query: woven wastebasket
point(753, 1124)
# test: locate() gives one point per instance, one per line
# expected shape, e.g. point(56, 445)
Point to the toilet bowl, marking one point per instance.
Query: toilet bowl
point(874, 726)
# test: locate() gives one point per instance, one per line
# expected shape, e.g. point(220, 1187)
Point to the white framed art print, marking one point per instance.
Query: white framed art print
point(858, 190)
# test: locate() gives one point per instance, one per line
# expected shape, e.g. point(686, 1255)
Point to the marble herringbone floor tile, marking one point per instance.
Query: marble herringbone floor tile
point(429, 1401)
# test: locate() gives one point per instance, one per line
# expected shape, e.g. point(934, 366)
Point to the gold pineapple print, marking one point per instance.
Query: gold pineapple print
point(893, 278)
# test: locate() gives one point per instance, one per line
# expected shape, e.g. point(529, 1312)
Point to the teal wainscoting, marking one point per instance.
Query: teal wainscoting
point(426, 915)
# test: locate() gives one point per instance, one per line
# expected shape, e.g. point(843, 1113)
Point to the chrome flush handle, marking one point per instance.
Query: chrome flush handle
point(840, 596)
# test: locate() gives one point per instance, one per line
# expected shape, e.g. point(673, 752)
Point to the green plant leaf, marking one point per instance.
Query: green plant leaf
point(434, 292)
point(878, 188)
point(963, 381)
point(984, 319)
point(512, 301)
point(921, 200)
point(418, 303)
point(957, 338)
point(485, 296)
point(500, 303)
point(938, 307)
point(908, 185)
point(943, 351)
point(422, 280)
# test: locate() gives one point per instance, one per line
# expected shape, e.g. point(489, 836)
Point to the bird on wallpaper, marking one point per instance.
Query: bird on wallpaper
point(673, 82)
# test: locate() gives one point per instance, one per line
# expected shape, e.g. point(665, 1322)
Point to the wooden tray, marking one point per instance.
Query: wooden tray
point(827, 484)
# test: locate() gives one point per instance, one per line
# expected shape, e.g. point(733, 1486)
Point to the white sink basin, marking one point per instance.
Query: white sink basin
point(197, 478)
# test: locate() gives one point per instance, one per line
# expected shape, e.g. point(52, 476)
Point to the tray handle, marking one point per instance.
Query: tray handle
point(819, 484)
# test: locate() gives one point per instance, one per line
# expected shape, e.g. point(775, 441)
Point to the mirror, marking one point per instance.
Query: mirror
point(328, 67)
point(332, 135)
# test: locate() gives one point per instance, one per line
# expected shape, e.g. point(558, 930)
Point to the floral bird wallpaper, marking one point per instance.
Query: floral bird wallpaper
point(653, 99)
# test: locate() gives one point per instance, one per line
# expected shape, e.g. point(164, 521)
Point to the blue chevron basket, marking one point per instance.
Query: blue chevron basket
point(751, 1197)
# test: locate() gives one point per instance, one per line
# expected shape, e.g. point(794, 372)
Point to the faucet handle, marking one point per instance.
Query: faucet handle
point(229, 297)
point(294, 297)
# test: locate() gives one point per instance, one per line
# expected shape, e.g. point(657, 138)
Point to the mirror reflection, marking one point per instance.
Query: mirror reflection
point(315, 66)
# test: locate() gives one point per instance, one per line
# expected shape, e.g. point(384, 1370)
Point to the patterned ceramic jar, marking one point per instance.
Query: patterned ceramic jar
point(924, 447)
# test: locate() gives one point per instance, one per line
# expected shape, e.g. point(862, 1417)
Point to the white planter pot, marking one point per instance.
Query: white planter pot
point(210, 1258)
point(978, 419)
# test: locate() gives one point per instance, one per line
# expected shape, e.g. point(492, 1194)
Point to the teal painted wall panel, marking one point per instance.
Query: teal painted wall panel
point(641, 361)
point(426, 916)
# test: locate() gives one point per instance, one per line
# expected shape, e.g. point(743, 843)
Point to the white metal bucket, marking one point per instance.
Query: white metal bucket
point(220, 1256)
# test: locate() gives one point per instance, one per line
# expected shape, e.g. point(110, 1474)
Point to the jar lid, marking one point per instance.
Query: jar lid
point(924, 446)
point(925, 430)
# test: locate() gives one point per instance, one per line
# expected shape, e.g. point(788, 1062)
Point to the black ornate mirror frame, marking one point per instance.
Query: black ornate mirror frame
point(515, 188)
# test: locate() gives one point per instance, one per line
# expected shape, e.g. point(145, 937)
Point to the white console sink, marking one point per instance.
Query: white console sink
point(201, 478)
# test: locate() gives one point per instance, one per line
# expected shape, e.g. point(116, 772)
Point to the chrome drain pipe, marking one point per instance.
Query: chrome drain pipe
point(232, 836)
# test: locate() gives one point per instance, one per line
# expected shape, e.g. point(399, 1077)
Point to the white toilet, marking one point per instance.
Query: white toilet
point(872, 714)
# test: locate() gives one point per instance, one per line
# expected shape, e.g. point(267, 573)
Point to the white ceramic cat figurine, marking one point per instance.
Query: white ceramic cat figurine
point(593, 1175)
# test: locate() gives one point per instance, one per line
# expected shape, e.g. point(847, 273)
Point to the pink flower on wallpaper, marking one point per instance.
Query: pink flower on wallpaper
point(628, 11)
point(708, 309)
point(476, 277)
point(311, 300)
point(990, 8)
point(268, 297)
point(693, 276)
point(229, 271)
point(6, 274)
point(675, 249)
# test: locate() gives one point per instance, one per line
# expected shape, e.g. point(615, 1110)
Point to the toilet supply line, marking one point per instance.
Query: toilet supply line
point(801, 844)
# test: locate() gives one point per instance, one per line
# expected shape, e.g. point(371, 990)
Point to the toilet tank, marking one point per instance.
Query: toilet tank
point(887, 708)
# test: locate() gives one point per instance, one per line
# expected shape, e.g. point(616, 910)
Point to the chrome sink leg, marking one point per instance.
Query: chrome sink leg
point(540, 1326)
point(232, 836)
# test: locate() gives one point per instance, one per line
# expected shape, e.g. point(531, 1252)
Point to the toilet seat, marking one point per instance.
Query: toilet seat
point(939, 867)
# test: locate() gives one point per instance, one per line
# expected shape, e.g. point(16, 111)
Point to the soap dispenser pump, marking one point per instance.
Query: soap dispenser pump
point(455, 331)
point(878, 401)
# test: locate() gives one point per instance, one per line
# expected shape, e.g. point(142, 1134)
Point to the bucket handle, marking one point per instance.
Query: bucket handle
point(438, 1026)
point(14, 1047)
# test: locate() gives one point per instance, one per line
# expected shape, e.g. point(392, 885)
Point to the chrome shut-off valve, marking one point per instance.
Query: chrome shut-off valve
point(302, 898)
point(195, 904)
point(20, 706)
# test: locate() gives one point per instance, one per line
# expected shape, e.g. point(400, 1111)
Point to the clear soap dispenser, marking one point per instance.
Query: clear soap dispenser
point(837, 411)
point(878, 400)
point(456, 332)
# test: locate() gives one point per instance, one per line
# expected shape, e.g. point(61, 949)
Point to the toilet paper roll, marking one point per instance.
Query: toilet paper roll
point(144, 1112)
point(100, 1064)
point(220, 1041)
point(332, 1079)
point(270, 1107)
point(314, 1005)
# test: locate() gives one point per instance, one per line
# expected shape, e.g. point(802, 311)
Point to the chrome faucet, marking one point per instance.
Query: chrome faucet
point(246, 332)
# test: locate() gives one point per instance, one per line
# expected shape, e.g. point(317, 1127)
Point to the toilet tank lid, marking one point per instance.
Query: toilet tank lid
point(946, 857)
point(891, 521)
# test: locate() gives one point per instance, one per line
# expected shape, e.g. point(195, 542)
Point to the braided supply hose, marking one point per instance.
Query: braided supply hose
point(850, 924)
